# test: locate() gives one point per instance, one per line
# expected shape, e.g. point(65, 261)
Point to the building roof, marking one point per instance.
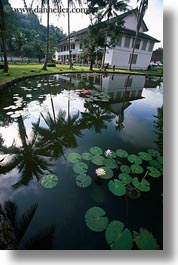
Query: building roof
point(125, 31)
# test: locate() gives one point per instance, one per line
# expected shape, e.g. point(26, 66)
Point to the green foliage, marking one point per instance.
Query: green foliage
point(143, 185)
point(153, 152)
point(118, 237)
point(136, 169)
point(86, 156)
point(80, 167)
point(96, 151)
point(98, 160)
point(145, 156)
point(125, 169)
point(145, 240)
point(73, 157)
point(83, 181)
point(125, 178)
point(95, 219)
point(121, 153)
point(134, 159)
point(49, 181)
point(108, 173)
point(110, 162)
point(117, 187)
point(153, 172)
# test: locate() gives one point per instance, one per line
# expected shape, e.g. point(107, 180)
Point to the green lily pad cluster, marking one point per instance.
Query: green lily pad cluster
point(128, 169)
point(49, 181)
point(94, 96)
point(118, 237)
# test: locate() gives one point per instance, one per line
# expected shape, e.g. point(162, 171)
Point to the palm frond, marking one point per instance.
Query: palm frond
point(24, 222)
point(11, 212)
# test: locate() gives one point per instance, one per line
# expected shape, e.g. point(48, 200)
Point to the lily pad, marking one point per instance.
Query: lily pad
point(153, 172)
point(83, 181)
point(49, 181)
point(145, 240)
point(160, 159)
point(98, 160)
point(73, 157)
point(121, 153)
point(118, 237)
point(96, 150)
point(153, 152)
point(117, 187)
point(145, 156)
point(125, 169)
point(111, 163)
point(144, 185)
point(136, 169)
point(86, 156)
point(125, 178)
point(108, 173)
point(156, 164)
point(134, 159)
point(80, 168)
point(95, 219)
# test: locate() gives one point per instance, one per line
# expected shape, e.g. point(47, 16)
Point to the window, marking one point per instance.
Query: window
point(134, 58)
point(151, 47)
point(119, 42)
point(144, 44)
point(127, 42)
point(137, 45)
point(64, 48)
point(72, 46)
point(128, 82)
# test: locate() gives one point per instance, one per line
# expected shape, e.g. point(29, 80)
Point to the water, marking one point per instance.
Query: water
point(71, 122)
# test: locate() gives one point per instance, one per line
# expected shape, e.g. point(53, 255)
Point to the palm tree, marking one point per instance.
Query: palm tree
point(70, 3)
point(42, 240)
point(141, 12)
point(47, 3)
point(110, 10)
point(3, 35)
point(28, 158)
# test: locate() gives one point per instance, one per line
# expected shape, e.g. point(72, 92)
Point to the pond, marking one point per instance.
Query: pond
point(86, 150)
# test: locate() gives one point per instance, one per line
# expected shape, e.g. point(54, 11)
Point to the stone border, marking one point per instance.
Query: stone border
point(20, 78)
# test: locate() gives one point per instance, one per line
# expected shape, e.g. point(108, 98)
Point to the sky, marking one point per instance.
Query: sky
point(153, 18)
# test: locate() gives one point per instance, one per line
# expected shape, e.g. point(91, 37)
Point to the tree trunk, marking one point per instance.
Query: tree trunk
point(70, 59)
point(133, 50)
point(91, 66)
point(3, 37)
point(104, 53)
point(47, 38)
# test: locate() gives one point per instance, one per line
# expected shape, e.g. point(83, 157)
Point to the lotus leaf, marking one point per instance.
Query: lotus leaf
point(136, 169)
point(144, 185)
point(153, 172)
point(121, 153)
point(145, 240)
point(108, 173)
point(80, 168)
point(153, 152)
point(155, 164)
point(125, 169)
point(83, 181)
point(118, 237)
point(116, 187)
point(111, 163)
point(87, 156)
point(134, 159)
point(125, 178)
point(98, 160)
point(73, 157)
point(145, 156)
point(96, 150)
point(95, 219)
point(160, 159)
point(49, 181)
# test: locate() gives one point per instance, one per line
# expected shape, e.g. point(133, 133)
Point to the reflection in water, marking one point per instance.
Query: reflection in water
point(53, 119)
point(158, 126)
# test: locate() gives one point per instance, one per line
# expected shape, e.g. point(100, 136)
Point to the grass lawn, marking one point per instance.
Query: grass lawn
point(18, 70)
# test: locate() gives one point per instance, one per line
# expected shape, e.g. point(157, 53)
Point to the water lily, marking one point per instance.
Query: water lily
point(108, 152)
point(100, 172)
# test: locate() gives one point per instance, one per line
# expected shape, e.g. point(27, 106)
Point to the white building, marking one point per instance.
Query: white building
point(120, 54)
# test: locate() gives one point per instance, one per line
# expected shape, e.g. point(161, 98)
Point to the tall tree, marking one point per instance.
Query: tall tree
point(143, 5)
point(3, 34)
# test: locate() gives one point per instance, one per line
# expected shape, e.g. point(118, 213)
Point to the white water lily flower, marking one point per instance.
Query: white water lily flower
point(100, 172)
point(108, 152)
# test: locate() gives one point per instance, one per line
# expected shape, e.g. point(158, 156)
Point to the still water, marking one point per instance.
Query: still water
point(43, 119)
